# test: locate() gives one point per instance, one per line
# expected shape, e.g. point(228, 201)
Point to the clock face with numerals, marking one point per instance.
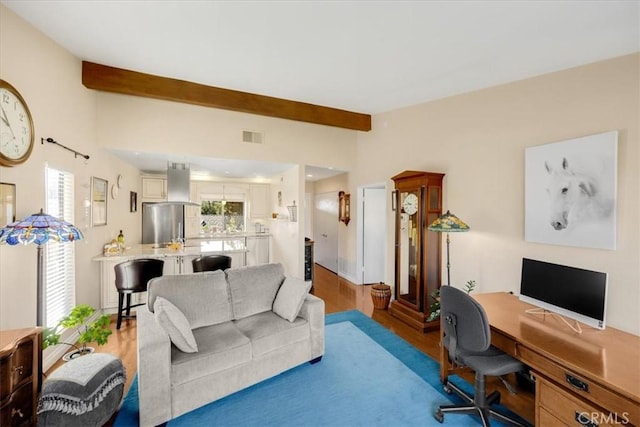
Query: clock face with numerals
point(16, 127)
point(410, 204)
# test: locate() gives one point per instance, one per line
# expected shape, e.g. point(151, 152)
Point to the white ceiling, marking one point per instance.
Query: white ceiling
point(363, 56)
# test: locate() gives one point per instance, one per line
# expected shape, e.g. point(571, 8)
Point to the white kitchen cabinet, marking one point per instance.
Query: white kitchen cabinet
point(237, 259)
point(178, 264)
point(109, 294)
point(154, 188)
point(174, 263)
point(192, 219)
point(259, 205)
point(257, 250)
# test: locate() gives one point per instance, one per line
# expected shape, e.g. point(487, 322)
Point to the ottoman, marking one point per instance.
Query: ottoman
point(83, 392)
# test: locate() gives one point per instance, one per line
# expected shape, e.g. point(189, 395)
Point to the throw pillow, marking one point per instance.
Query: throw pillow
point(174, 322)
point(290, 298)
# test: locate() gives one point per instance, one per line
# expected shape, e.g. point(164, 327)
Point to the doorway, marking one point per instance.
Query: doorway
point(373, 241)
point(325, 231)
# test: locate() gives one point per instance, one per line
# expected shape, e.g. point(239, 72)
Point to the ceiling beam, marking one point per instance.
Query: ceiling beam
point(117, 80)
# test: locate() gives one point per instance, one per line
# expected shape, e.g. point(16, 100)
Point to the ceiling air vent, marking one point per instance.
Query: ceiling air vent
point(252, 137)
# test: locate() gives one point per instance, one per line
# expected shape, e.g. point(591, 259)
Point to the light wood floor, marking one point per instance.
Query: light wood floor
point(338, 295)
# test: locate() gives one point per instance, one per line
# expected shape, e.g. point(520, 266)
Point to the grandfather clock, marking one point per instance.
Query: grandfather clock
point(418, 202)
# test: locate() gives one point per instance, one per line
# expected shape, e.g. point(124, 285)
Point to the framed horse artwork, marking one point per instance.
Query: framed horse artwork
point(570, 192)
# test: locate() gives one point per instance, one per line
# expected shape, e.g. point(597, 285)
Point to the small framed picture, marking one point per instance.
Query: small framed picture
point(99, 201)
point(133, 201)
point(7, 203)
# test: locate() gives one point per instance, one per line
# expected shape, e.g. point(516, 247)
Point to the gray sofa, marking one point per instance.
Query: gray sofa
point(244, 326)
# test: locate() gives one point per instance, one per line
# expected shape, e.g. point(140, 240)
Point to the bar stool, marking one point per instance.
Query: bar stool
point(132, 277)
point(211, 263)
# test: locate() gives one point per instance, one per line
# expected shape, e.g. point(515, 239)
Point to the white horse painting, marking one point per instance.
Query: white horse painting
point(576, 196)
point(570, 192)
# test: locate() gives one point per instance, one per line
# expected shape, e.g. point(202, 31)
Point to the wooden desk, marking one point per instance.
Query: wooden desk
point(596, 373)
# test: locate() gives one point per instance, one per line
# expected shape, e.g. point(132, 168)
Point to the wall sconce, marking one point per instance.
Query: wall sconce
point(344, 207)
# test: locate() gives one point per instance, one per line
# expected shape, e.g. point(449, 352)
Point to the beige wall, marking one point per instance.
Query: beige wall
point(149, 125)
point(49, 79)
point(478, 140)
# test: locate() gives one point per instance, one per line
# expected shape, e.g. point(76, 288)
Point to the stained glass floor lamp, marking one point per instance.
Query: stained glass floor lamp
point(39, 229)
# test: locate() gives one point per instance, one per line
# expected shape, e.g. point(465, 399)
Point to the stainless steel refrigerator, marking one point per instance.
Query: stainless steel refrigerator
point(162, 222)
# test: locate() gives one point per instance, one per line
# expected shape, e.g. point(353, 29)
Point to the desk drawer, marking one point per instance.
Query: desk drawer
point(504, 343)
point(545, 419)
point(598, 395)
point(571, 410)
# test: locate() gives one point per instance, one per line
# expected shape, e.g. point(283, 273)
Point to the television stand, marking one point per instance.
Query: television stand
point(577, 328)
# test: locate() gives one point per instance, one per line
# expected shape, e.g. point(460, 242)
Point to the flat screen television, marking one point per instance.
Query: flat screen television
point(571, 292)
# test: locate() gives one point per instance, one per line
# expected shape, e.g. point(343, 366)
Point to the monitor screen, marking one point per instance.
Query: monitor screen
point(573, 292)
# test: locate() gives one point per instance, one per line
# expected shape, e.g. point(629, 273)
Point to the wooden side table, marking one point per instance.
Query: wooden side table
point(20, 375)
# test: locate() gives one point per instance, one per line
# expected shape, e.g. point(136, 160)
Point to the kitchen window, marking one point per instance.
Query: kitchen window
point(59, 257)
point(222, 216)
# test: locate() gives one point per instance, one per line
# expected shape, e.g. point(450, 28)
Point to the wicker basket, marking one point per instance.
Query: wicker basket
point(381, 295)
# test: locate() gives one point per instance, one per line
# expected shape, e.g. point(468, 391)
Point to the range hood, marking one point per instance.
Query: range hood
point(179, 184)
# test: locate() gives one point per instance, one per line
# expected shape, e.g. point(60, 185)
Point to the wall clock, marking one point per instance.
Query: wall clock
point(114, 191)
point(410, 204)
point(16, 127)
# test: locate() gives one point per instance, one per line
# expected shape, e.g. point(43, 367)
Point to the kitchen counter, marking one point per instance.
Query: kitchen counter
point(217, 243)
point(191, 248)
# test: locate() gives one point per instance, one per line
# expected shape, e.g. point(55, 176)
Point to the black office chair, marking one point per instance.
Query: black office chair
point(211, 263)
point(132, 277)
point(467, 338)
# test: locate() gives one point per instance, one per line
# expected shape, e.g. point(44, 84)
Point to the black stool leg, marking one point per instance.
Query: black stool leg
point(128, 306)
point(120, 308)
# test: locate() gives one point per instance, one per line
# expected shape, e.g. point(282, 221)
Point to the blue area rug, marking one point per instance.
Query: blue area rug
point(367, 377)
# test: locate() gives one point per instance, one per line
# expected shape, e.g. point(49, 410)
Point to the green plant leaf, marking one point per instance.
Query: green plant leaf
point(97, 331)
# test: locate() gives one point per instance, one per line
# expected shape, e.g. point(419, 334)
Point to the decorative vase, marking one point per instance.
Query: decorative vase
point(78, 352)
point(381, 295)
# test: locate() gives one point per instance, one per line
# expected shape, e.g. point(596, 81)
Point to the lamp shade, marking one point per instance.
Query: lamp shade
point(448, 223)
point(39, 228)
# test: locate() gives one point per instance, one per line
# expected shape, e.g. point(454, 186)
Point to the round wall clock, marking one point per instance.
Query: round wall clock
point(16, 127)
point(410, 204)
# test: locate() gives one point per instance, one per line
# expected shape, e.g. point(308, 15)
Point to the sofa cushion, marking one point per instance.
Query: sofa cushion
point(254, 288)
point(268, 332)
point(220, 347)
point(202, 297)
point(290, 297)
point(175, 325)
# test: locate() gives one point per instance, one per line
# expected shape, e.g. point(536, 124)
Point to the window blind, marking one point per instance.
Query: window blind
point(59, 257)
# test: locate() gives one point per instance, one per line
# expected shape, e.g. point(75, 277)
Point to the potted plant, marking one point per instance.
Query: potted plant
point(97, 331)
point(434, 308)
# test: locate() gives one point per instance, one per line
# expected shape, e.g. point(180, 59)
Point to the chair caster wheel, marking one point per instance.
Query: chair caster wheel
point(439, 416)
